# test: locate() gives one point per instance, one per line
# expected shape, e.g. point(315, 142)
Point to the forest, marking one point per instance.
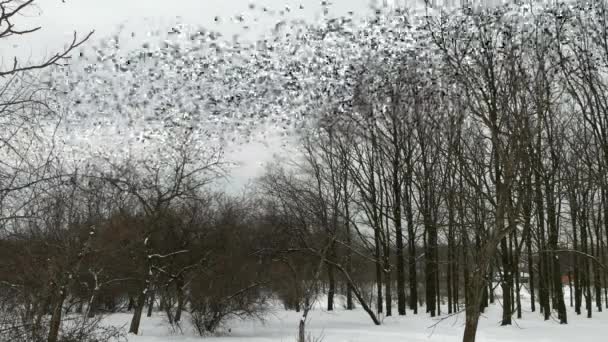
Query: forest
point(443, 162)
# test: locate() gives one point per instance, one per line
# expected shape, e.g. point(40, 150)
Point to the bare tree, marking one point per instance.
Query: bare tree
point(157, 185)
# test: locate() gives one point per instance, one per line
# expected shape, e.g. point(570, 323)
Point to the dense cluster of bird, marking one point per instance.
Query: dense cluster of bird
point(194, 79)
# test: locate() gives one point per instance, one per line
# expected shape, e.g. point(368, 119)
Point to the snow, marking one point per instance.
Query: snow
point(355, 326)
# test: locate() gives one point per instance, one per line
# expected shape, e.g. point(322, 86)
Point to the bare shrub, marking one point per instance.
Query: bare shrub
point(210, 313)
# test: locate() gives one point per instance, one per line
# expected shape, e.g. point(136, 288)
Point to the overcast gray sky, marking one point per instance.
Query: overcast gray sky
point(60, 18)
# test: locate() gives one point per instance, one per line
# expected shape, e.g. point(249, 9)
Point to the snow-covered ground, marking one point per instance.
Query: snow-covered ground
point(355, 326)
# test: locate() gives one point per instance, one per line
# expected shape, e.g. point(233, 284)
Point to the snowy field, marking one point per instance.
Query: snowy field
point(355, 326)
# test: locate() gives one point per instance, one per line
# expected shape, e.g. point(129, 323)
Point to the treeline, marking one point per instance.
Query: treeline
point(151, 236)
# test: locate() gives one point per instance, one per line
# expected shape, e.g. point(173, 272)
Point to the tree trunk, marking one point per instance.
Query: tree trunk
point(398, 235)
point(456, 282)
point(388, 293)
point(570, 287)
point(180, 299)
point(331, 288)
point(470, 328)
point(450, 262)
point(553, 245)
point(474, 287)
point(302, 330)
point(151, 303)
point(358, 295)
point(543, 274)
point(55, 322)
point(531, 274)
point(349, 263)
point(138, 306)
point(604, 194)
point(431, 269)
point(506, 283)
point(378, 271)
point(449, 277)
point(413, 279)
point(516, 271)
point(131, 304)
point(577, 281)
point(597, 282)
point(92, 307)
point(387, 273)
point(584, 245)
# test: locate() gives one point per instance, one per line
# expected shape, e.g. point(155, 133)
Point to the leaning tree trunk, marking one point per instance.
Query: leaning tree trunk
point(474, 287)
point(358, 295)
point(138, 306)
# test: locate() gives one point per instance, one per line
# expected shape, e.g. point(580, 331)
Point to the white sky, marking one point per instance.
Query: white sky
point(60, 18)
